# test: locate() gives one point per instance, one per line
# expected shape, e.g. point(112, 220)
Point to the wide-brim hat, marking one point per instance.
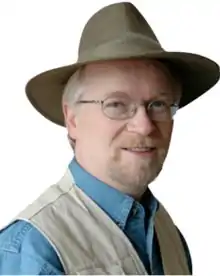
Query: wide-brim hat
point(119, 31)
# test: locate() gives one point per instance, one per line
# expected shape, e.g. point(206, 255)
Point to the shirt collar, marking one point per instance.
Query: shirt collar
point(116, 204)
point(102, 194)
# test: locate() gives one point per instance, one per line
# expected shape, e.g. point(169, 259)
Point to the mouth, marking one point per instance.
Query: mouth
point(141, 150)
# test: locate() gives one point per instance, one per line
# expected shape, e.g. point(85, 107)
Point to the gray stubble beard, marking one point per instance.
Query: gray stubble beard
point(135, 184)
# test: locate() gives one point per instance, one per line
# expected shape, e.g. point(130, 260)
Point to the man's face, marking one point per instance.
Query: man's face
point(117, 151)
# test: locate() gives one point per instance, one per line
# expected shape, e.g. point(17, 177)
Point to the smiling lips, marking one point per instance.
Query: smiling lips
point(141, 150)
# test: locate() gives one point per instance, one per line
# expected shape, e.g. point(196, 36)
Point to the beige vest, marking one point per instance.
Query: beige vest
point(87, 241)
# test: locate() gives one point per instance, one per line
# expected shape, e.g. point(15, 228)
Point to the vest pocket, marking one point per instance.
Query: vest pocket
point(125, 266)
point(115, 270)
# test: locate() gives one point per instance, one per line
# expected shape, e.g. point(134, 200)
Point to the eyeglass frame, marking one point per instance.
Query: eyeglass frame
point(136, 104)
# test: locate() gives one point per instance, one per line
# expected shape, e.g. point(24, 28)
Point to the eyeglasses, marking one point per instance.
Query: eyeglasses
point(121, 108)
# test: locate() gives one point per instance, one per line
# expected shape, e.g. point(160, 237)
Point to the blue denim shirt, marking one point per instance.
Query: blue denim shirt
point(24, 250)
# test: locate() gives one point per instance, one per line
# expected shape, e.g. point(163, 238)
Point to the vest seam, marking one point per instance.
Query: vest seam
point(50, 203)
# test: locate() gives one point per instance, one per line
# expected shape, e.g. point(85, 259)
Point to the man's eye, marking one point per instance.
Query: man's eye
point(159, 104)
point(116, 104)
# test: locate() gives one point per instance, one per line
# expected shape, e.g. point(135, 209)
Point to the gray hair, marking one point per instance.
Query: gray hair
point(73, 92)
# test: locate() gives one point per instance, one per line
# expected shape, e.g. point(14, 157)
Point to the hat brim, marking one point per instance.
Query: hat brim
point(197, 74)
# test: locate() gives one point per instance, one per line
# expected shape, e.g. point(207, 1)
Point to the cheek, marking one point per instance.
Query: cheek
point(165, 130)
point(96, 132)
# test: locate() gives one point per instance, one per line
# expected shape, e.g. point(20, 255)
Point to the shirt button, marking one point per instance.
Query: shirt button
point(134, 211)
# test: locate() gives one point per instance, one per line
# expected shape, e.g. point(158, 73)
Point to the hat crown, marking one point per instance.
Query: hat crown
point(118, 24)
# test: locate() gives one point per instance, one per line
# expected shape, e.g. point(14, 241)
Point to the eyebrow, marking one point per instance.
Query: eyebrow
point(166, 94)
point(117, 92)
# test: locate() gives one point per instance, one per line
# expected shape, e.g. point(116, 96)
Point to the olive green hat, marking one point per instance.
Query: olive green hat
point(119, 31)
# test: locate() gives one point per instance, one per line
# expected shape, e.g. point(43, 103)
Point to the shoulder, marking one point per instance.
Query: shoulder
point(22, 245)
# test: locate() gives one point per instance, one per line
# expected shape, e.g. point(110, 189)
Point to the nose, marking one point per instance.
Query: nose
point(141, 123)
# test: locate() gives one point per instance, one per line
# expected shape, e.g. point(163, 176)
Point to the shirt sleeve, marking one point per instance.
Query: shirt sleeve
point(24, 250)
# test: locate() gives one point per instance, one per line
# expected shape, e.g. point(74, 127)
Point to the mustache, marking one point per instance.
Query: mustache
point(139, 142)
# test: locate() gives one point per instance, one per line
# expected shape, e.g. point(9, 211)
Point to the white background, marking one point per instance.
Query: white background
point(40, 35)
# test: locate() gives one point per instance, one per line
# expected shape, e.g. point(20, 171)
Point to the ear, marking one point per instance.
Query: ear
point(70, 120)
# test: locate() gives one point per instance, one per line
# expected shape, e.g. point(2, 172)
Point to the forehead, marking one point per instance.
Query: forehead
point(138, 77)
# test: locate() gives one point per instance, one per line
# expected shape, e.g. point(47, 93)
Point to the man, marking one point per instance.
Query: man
point(117, 104)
